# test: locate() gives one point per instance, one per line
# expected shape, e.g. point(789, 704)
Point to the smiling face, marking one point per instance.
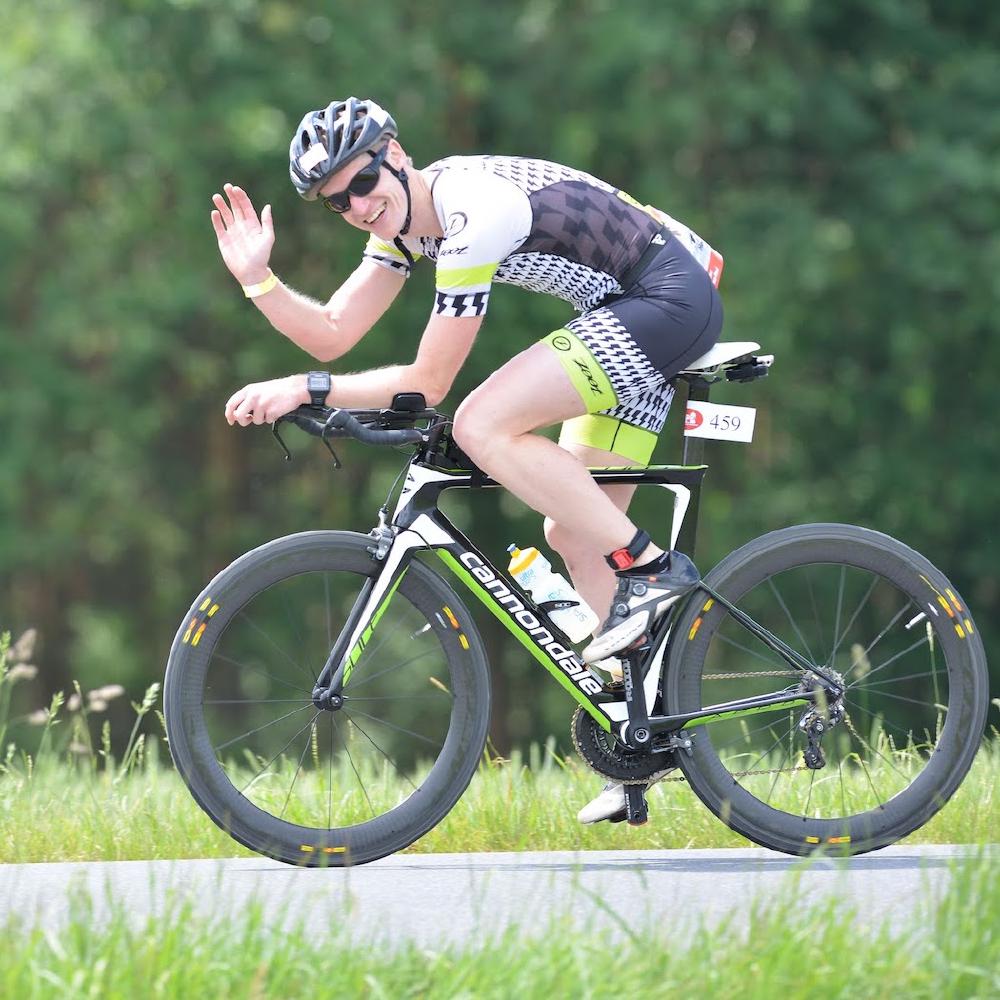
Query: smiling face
point(383, 210)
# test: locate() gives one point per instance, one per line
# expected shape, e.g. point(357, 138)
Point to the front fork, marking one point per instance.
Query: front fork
point(376, 592)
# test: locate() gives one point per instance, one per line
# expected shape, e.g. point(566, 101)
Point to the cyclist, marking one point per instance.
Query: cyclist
point(646, 309)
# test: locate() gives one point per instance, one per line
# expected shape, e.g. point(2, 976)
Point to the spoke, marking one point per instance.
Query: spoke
point(899, 680)
point(396, 666)
point(836, 624)
point(812, 601)
point(891, 660)
point(788, 615)
point(788, 756)
point(253, 701)
point(390, 725)
point(286, 655)
point(809, 795)
point(295, 777)
point(899, 697)
point(260, 670)
point(878, 753)
point(857, 611)
point(395, 766)
point(242, 736)
point(349, 699)
point(743, 737)
point(881, 719)
point(364, 791)
point(279, 753)
point(329, 784)
point(326, 605)
point(746, 649)
point(878, 638)
point(771, 747)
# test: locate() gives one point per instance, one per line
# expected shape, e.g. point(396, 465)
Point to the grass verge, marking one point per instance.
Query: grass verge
point(61, 812)
point(946, 950)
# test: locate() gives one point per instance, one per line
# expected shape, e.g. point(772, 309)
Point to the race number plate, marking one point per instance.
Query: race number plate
point(724, 423)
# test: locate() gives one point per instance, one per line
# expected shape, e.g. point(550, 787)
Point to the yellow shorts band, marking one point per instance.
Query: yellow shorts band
point(597, 430)
point(585, 373)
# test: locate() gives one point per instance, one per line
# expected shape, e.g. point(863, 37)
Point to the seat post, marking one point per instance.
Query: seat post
point(694, 454)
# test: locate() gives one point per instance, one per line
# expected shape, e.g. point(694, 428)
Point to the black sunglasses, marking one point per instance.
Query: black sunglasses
point(362, 183)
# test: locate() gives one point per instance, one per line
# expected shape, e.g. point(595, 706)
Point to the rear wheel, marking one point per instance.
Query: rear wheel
point(308, 786)
point(873, 611)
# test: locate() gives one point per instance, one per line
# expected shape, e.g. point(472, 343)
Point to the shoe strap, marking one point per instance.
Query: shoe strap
point(625, 558)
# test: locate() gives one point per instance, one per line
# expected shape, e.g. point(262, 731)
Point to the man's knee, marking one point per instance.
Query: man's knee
point(470, 429)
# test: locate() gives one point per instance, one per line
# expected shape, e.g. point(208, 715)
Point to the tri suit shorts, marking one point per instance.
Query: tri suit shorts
point(622, 354)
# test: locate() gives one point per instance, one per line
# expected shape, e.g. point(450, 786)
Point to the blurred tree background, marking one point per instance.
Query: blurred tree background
point(845, 158)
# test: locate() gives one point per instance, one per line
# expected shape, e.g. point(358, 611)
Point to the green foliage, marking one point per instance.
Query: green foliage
point(842, 156)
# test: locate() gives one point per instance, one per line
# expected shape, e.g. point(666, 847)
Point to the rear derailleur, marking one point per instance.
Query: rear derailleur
point(817, 721)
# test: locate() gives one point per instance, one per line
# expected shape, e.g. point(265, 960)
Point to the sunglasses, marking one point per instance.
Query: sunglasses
point(362, 183)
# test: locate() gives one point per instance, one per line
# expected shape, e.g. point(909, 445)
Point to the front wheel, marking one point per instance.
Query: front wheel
point(309, 786)
point(869, 609)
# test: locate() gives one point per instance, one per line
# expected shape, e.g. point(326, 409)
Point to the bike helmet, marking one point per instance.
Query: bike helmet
point(329, 138)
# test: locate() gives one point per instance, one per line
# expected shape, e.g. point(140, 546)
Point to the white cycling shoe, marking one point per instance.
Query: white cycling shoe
point(640, 598)
point(610, 804)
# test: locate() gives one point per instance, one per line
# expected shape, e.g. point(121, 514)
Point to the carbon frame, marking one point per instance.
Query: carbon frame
point(418, 525)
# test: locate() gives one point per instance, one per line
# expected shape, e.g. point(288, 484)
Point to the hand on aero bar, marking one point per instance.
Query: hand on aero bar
point(245, 241)
point(264, 402)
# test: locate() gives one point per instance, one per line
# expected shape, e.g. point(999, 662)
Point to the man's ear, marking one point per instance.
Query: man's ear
point(397, 155)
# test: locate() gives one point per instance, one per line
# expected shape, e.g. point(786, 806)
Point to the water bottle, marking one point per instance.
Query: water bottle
point(552, 593)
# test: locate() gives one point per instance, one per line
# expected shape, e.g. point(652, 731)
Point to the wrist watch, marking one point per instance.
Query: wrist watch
point(319, 385)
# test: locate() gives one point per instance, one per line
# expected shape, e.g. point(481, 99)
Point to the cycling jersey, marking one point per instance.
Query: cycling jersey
point(553, 229)
point(532, 223)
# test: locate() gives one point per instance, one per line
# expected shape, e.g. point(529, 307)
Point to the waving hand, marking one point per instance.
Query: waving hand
point(245, 241)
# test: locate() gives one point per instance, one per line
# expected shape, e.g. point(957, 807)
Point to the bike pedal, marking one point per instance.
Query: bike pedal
point(635, 805)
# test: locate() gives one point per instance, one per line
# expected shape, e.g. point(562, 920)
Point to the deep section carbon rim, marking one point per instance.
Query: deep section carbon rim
point(327, 787)
point(878, 616)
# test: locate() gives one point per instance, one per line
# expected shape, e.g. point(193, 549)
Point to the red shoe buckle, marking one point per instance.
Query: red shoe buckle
point(622, 558)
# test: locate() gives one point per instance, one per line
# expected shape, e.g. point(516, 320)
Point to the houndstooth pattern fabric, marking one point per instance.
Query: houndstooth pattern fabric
point(628, 369)
point(579, 285)
point(532, 175)
point(647, 410)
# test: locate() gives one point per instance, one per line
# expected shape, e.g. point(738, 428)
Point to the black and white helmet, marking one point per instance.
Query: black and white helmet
point(331, 137)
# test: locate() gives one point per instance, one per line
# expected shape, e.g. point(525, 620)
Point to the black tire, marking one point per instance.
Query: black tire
point(882, 616)
point(324, 788)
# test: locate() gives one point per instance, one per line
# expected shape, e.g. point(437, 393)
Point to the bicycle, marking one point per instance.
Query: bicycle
point(327, 696)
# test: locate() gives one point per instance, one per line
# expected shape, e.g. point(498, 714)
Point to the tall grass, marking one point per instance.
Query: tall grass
point(76, 800)
point(792, 948)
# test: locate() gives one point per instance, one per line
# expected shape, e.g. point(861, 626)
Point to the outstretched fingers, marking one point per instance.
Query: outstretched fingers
point(242, 206)
point(223, 209)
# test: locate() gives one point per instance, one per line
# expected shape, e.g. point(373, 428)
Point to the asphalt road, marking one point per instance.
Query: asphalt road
point(441, 899)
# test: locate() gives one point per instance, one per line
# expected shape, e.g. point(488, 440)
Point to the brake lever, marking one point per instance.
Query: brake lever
point(337, 464)
point(278, 438)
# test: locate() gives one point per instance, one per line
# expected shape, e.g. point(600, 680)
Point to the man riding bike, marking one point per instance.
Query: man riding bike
point(646, 309)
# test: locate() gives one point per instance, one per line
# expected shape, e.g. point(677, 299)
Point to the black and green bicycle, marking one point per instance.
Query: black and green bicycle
point(327, 696)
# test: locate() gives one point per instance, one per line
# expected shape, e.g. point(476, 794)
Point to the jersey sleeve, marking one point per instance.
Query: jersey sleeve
point(388, 255)
point(485, 218)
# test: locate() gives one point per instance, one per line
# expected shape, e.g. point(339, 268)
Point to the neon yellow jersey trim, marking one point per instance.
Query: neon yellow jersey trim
point(451, 278)
point(597, 430)
point(377, 246)
point(585, 373)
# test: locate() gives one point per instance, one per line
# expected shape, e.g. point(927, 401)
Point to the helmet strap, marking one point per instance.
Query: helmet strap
point(400, 175)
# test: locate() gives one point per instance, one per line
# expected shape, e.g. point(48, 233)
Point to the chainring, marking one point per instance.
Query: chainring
point(611, 759)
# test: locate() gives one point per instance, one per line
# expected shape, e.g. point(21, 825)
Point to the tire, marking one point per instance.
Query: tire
point(322, 788)
point(882, 616)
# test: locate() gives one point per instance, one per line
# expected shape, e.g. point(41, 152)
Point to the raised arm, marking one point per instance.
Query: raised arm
point(324, 331)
